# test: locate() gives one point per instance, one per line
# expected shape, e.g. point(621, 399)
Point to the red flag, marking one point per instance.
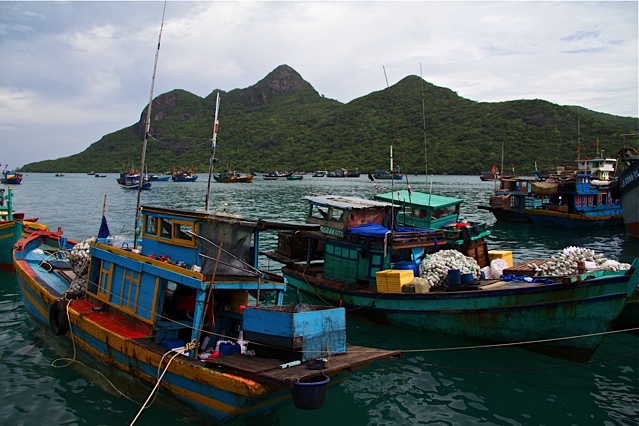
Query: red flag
point(578, 148)
point(494, 169)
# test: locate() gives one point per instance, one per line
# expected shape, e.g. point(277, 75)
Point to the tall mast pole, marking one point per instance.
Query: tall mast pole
point(213, 139)
point(147, 128)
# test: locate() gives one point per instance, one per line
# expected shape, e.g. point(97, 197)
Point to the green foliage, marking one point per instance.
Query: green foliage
point(283, 123)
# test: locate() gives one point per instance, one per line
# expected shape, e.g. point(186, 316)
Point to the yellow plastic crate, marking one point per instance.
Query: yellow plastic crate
point(396, 278)
point(382, 282)
point(501, 254)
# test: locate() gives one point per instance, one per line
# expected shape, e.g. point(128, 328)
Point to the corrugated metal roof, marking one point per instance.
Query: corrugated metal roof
point(344, 202)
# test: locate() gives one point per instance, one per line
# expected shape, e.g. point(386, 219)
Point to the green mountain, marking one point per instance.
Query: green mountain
point(283, 123)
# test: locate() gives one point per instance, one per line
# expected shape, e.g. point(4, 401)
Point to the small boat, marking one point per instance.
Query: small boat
point(10, 177)
point(320, 173)
point(233, 177)
point(626, 188)
point(91, 173)
point(183, 175)
point(295, 177)
point(98, 175)
point(386, 175)
point(274, 175)
point(364, 260)
point(159, 178)
point(13, 226)
point(59, 174)
point(493, 174)
point(352, 174)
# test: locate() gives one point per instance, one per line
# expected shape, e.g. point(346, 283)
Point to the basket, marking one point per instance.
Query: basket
point(309, 394)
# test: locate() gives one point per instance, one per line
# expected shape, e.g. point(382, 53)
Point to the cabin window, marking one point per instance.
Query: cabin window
point(165, 228)
point(444, 211)
point(150, 225)
point(183, 233)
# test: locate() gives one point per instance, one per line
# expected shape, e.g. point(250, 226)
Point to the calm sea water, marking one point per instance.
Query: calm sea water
point(430, 384)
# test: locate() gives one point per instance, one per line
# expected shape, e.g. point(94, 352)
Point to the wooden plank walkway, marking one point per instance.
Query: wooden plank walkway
point(268, 370)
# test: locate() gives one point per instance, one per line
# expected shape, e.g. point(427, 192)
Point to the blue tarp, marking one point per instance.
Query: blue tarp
point(375, 230)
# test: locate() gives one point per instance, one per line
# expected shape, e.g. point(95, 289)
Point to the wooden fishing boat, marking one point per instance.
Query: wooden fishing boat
point(386, 175)
point(187, 291)
point(10, 177)
point(359, 261)
point(183, 175)
point(13, 226)
point(569, 199)
point(232, 177)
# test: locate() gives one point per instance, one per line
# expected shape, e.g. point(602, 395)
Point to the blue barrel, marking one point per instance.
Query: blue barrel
point(454, 277)
point(467, 279)
point(408, 265)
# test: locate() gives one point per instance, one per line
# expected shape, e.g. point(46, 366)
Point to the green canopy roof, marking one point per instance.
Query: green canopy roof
point(418, 199)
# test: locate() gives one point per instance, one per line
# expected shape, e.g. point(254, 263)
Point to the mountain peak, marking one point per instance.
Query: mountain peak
point(282, 80)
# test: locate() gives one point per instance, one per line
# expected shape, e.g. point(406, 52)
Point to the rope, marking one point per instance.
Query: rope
point(178, 351)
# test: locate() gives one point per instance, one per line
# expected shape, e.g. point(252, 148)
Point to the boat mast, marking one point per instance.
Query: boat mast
point(213, 139)
point(147, 128)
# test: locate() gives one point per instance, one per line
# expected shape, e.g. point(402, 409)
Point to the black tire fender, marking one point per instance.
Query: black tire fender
point(58, 318)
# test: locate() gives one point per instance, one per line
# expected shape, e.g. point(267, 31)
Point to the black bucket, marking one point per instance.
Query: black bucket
point(309, 394)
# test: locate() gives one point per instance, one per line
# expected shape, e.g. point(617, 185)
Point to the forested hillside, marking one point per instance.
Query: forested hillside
point(282, 123)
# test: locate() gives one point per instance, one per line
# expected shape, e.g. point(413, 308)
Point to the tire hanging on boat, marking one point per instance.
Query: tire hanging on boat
point(58, 318)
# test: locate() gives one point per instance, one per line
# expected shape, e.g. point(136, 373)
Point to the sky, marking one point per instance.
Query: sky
point(71, 72)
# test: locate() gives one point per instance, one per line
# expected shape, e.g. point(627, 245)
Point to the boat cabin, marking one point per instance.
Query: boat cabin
point(193, 272)
point(430, 211)
point(357, 238)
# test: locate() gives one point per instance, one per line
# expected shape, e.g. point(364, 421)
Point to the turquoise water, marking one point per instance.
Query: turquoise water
point(430, 384)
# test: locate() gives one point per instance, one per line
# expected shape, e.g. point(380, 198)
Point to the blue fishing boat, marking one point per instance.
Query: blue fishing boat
point(363, 260)
point(10, 177)
point(184, 175)
point(189, 303)
point(571, 198)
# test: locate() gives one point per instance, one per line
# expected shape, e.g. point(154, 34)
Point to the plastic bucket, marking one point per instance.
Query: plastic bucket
point(467, 279)
point(454, 277)
point(408, 265)
point(309, 394)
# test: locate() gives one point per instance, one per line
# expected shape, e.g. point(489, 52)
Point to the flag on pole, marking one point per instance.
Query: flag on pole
point(104, 228)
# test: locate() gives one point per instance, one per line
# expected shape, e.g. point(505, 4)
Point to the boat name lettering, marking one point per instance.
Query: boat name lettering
point(331, 231)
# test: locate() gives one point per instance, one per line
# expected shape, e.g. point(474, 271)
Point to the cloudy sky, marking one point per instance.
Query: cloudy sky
point(72, 72)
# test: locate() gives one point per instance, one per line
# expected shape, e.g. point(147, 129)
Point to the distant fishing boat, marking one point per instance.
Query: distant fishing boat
point(10, 177)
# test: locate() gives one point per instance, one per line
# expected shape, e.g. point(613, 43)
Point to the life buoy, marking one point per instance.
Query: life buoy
point(58, 318)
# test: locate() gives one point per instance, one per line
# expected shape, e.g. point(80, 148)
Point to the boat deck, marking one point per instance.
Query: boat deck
point(266, 370)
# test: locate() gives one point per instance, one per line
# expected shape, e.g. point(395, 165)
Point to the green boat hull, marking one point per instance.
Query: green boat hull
point(570, 318)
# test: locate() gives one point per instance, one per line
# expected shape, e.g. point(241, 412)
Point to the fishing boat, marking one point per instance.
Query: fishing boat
point(431, 211)
point(626, 188)
point(11, 177)
point(360, 261)
point(493, 174)
point(570, 198)
point(386, 175)
point(188, 303)
point(131, 180)
point(184, 175)
point(13, 225)
point(233, 177)
point(295, 177)
point(320, 173)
